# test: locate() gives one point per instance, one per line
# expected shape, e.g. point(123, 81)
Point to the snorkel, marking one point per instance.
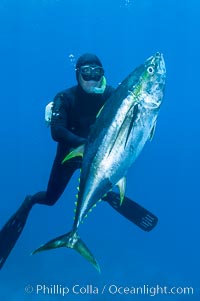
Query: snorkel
point(89, 59)
point(101, 89)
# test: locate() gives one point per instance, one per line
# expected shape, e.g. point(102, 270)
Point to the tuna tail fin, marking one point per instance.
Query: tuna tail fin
point(73, 241)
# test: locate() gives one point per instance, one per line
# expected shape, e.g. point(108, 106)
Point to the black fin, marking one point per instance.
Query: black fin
point(132, 211)
point(11, 231)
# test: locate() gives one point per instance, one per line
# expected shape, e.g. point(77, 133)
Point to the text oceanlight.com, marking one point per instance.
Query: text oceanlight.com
point(109, 289)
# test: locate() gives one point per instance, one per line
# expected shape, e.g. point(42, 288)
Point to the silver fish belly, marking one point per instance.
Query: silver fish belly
point(121, 130)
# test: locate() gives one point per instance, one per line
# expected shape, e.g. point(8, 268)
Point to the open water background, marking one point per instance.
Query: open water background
point(40, 42)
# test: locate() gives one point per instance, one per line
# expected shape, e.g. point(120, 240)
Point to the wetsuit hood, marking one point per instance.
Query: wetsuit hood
point(87, 59)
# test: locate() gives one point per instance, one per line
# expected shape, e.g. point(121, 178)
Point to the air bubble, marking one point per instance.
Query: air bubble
point(72, 59)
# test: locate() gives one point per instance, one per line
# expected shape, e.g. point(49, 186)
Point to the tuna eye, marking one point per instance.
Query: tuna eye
point(150, 70)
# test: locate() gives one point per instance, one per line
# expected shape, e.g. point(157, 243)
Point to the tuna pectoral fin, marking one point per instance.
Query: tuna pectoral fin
point(73, 241)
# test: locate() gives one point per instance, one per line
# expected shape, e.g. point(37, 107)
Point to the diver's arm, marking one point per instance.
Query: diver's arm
point(64, 136)
point(59, 131)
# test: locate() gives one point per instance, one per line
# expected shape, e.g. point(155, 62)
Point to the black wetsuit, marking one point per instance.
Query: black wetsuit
point(74, 112)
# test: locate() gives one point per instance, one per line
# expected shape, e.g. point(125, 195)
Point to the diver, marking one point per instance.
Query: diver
point(71, 115)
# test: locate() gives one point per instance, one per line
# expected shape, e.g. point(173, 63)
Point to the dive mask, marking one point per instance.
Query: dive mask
point(91, 72)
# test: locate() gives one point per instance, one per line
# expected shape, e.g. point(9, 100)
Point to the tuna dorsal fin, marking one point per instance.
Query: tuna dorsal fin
point(122, 187)
point(77, 152)
point(152, 131)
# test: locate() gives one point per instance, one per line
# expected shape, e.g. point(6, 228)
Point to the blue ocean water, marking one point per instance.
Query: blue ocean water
point(40, 42)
